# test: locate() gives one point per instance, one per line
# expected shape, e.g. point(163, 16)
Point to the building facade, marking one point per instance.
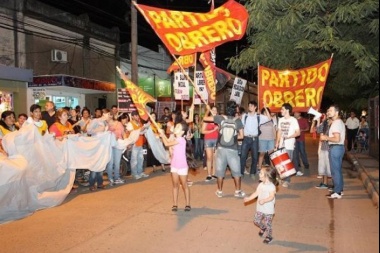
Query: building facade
point(56, 46)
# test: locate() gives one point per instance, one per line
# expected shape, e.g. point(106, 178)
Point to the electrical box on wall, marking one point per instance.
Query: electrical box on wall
point(58, 55)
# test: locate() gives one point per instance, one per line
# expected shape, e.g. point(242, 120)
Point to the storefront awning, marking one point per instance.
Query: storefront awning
point(16, 74)
point(63, 82)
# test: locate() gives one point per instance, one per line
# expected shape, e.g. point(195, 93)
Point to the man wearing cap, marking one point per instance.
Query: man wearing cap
point(137, 156)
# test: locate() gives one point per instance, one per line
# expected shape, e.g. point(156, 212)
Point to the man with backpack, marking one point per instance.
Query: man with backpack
point(230, 130)
point(251, 122)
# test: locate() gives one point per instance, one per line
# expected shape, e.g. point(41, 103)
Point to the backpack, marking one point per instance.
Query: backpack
point(228, 133)
point(258, 123)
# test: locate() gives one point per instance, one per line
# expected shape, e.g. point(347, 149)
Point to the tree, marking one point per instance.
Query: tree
point(295, 34)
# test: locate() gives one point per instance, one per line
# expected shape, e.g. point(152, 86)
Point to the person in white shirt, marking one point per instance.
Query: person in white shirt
point(352, 124)
point(336, 138)
point(288, 130)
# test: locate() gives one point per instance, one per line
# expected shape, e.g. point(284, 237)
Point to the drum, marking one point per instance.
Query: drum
point(281, 160)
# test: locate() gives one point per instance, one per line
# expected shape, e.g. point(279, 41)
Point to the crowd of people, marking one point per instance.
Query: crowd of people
point(217, 141)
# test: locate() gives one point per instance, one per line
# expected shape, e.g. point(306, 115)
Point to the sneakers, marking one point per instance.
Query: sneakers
point(299, 174)
point(239, 194)
point(335, 196)
point(219, 194)
point(285, 184)
point(85, 184)
point(125, 158)
point(111, 182)
point(119, 181)
point(208, 178)
point(144, 175)
point(253, 176)
point(137, 177)
point(332, 190)
point(322, 186)
point(246, 172)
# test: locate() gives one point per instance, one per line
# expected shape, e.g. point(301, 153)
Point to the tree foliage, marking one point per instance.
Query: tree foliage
point(293, 34)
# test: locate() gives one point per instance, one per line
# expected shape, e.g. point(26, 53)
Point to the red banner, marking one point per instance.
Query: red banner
point(209, 75)
point(184, 33)
point(139, 97)
point(186, 61)
point(301, 88)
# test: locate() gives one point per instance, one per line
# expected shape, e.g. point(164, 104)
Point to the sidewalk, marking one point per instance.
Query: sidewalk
point(367, 169)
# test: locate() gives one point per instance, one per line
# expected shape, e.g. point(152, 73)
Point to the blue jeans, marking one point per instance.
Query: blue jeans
point(336, 153)
point(113, 166)
point(300, 152)
point(253, 145)
point(96, 176)
point(198, 148)
point(137, 160)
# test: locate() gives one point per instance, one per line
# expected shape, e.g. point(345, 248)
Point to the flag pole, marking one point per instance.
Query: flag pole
point(125, 79)
point(258, 78)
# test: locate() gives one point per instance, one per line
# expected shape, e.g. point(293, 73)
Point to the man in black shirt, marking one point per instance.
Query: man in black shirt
point(49, 114)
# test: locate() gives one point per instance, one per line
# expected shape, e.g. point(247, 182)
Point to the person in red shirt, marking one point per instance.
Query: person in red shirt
point(211, 134)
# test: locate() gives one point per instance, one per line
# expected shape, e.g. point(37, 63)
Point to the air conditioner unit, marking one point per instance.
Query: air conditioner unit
point(58, 55)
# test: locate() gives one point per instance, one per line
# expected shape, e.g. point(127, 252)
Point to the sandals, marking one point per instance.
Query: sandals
point(268, 240)
point(92, 188)
point(102, 187)
point(175, 208)
point(262, 232)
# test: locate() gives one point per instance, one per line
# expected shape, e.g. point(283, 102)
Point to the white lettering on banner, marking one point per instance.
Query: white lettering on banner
point(200, 81)
point(238, 90)
point(181, 86)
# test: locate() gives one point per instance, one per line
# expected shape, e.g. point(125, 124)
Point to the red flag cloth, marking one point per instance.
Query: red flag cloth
point(302, 88)
point(209, 73)
point(184, 33)
point(139, 97)
point(222, 77)
point(186, 61)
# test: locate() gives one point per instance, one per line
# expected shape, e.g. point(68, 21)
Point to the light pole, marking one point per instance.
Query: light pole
point(154, 85)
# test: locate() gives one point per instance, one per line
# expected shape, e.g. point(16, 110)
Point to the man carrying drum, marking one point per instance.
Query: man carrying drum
point(288, 130)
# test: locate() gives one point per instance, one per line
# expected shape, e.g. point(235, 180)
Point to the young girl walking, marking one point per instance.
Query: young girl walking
point(179, 168)
point(265, 193)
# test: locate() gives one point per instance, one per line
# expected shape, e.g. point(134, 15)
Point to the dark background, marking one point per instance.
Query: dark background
point(117, 13)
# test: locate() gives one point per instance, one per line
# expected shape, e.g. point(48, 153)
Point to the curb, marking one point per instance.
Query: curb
point(363, 175)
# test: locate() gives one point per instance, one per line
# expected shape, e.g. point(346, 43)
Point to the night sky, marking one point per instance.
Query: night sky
point(111, 13)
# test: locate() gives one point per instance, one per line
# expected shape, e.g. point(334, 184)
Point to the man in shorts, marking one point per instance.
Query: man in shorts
point(227, 155)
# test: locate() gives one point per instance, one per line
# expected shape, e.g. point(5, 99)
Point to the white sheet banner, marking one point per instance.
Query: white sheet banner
point(181, 86)
point(200, 81)
point(238, 90)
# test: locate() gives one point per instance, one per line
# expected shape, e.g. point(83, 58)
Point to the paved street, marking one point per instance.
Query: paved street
point(137, 217)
